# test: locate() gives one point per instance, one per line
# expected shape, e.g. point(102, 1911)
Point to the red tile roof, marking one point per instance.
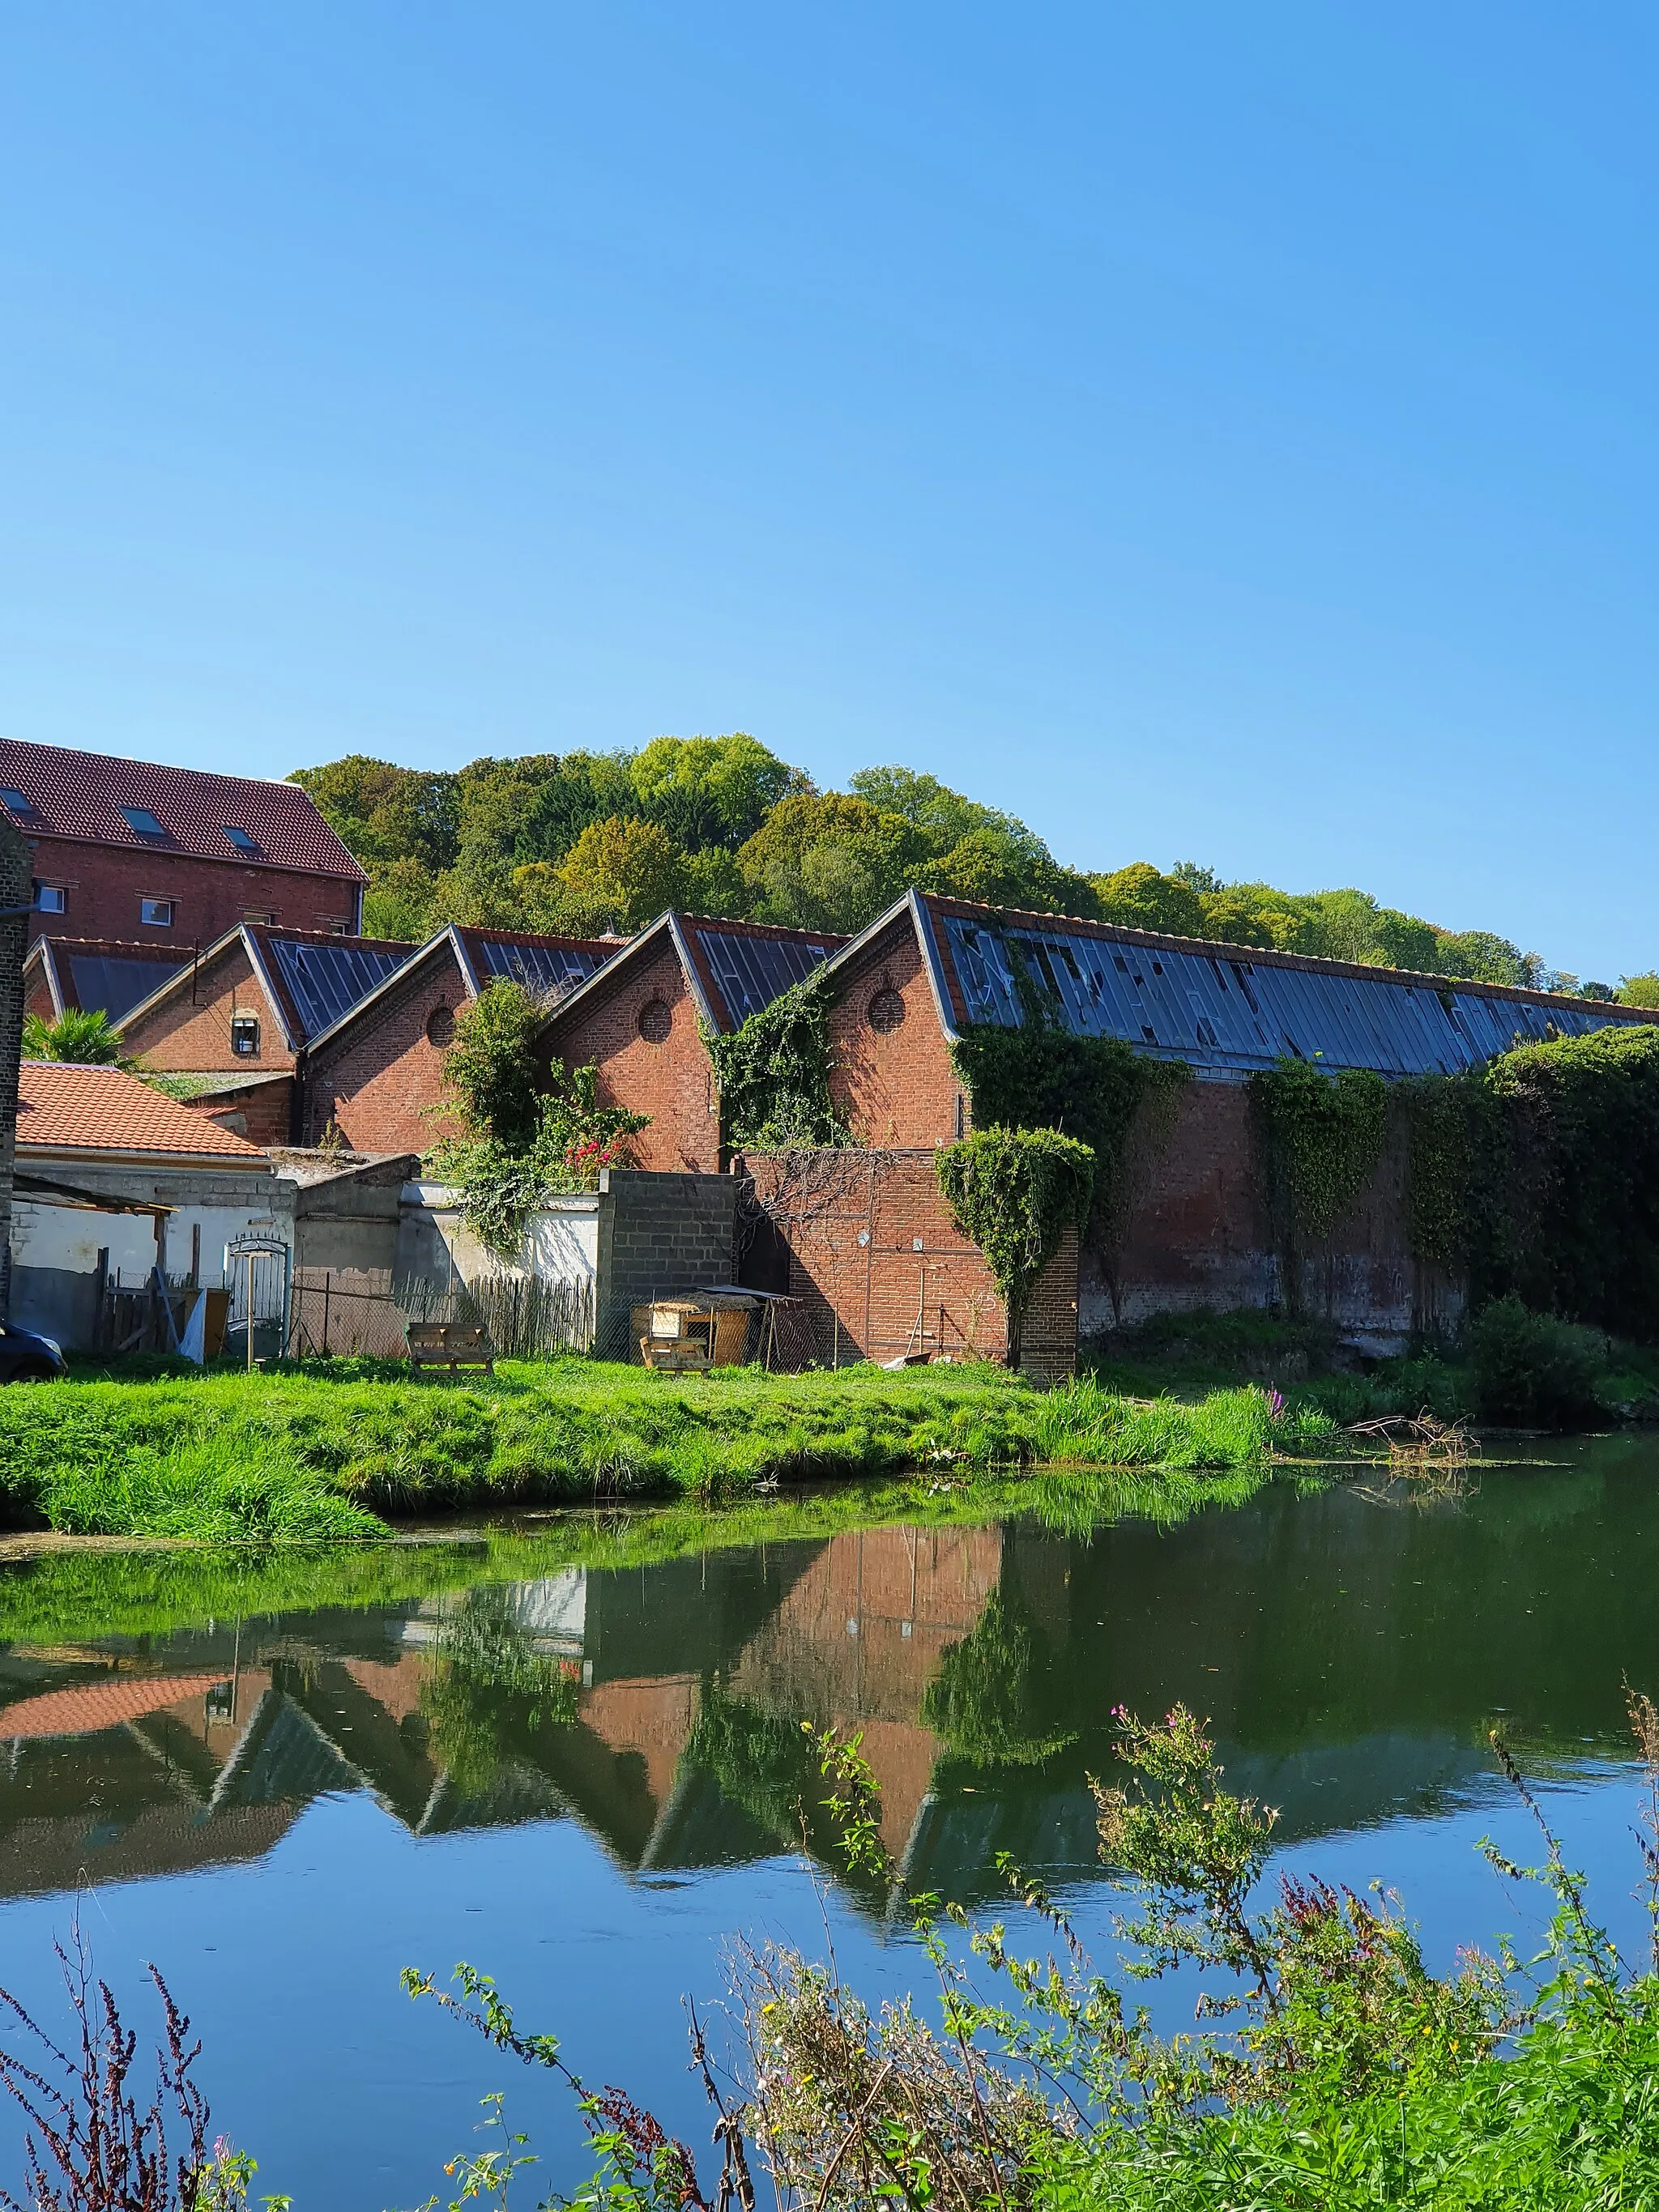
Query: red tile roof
point(80, 795)
point(86, 1707)
point(62, 1108)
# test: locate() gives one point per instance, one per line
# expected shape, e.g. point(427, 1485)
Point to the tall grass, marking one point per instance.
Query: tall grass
point(318, 1453)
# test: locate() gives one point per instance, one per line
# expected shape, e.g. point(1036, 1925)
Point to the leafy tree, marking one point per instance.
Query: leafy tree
point(86, 1039)
point(1140, 897)
point(620, 874)
point(710, 791)
point(1350, 924)
point(824, 860)
point(993, 869)
point(1479, 955)
point(384, 813)
point(399, 902)
point(1639, 990)
point(490, 1068)
point(944, 817)
point(1256, 914)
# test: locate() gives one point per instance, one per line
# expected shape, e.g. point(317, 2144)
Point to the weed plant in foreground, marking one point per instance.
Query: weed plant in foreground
point(1330, 2070)
point(321, 1452)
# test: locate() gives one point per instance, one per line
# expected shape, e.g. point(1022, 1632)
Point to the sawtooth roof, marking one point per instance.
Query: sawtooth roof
point(1224, 1008)
point(548, 966)
point(732, 969)
point(311, 976)
point(81, 796)
point(93, 975)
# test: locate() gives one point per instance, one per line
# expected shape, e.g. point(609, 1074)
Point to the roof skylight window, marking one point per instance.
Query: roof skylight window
point(240, 839)
point(15, 802)
point(142, 821)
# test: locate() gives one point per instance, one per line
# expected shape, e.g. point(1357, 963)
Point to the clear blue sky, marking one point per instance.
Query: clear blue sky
point(1209, 431)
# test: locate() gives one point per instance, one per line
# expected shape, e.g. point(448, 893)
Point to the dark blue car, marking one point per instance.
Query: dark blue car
point(26, 1358)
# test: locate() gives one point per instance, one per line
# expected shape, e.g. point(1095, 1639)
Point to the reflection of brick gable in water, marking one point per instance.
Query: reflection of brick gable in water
point(860, 1637)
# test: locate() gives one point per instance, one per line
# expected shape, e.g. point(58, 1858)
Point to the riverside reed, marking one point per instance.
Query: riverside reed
point(303, 1456)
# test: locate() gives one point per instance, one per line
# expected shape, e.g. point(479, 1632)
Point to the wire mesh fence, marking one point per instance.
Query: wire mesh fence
point(339, 1316)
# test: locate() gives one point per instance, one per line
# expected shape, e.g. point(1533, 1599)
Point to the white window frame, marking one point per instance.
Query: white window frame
point(156, 913)
point(50, 898)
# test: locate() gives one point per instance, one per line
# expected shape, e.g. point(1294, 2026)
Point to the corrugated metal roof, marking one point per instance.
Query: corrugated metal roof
point(115, 982)
point(83, 795)
point(1226, 1007)
point(324, 978)
point(751, 970)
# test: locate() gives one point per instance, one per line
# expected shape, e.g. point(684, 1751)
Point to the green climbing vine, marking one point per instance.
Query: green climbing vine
point(773, 1074)
point(1043, 1075)
point(1537, 1175)
point(1015, 1193)
point(1321, 1134)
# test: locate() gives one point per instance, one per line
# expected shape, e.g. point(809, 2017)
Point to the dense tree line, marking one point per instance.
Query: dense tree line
point(584, 843)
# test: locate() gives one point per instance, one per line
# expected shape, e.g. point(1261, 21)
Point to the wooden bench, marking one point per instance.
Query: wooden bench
point(451, 1345)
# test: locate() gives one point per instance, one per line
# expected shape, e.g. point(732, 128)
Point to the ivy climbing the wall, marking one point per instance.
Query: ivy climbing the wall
point(1015, 1193)
point(1538, 1175)
point(774, 1075)
point(1119, 1103)
point(1321, 1136)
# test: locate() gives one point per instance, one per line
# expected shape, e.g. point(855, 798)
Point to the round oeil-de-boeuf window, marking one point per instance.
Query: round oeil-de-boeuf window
point(886, 1012)
point(440, 1026)
point(655, 1021)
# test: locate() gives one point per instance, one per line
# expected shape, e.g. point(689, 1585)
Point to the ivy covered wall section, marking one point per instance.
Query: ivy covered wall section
point(774, 1075)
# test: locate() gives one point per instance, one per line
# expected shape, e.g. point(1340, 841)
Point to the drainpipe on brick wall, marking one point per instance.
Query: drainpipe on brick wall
point(296, 1099)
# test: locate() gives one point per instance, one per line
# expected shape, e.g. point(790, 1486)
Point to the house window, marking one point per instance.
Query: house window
point(155, 914)
point(142, 821)
point(244, 1035)
point(259, 914)
point(50, 898)
point(240, 839)
point(16, 802)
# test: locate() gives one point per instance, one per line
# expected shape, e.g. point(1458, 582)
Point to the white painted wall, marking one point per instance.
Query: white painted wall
point(561, 1241)
point(71, 1239)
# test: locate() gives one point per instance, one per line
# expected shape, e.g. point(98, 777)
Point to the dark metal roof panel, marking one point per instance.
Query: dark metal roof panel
point(101, 979)
point(546, 969)
point(323, 982)
point(1226, 1013)
point(752, 970)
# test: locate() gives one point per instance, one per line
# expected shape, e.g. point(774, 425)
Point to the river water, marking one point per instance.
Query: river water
point(579, 1777)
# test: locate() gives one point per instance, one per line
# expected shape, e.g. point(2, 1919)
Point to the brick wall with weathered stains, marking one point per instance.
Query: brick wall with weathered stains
point(15, 880)
point(103, 888)
point(640, 1030)
point(892, 1079)
point(378, 1079)
point(191, 1028)
point(866, 1241)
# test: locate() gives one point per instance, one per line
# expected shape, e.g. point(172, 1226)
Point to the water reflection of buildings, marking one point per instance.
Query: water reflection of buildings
point(202, 1747)
point(1349, 1663)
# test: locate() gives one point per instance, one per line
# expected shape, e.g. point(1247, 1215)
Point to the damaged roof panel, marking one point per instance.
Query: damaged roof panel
point(1229, 1007)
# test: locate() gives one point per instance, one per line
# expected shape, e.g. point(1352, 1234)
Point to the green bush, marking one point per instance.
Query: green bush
point(1015, 1192)
point(1532, 1368)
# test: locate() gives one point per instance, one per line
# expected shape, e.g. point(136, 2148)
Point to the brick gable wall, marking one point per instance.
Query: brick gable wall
point(374, 1082)
point(14, 892)
point(263, 1113)
point(672, 1081)
point(183, 1034)
point(894, 1086)
point(104, 884)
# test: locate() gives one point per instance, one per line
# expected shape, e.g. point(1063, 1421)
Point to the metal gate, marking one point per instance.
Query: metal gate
point(256, 1275)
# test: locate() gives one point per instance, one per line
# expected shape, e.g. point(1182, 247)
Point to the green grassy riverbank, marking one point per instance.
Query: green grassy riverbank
point(323, 1452)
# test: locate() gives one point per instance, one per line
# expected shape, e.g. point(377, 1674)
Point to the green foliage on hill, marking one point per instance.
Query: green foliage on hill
point(587, 843)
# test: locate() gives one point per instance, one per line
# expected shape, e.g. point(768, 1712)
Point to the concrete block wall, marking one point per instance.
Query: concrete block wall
point(660, 1234)
point(16, 876)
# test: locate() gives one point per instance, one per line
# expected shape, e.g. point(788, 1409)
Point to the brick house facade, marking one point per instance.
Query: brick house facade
point(173, 857)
